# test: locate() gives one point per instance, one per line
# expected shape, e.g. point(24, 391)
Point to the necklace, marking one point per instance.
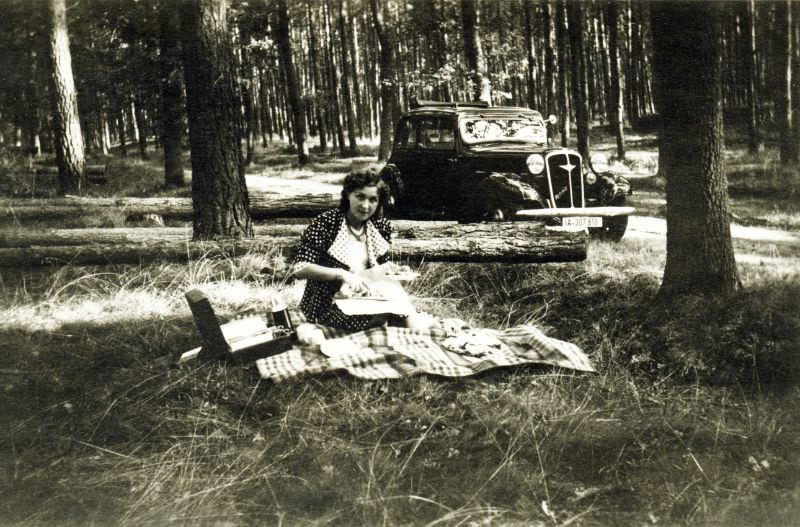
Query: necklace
point(358, 235)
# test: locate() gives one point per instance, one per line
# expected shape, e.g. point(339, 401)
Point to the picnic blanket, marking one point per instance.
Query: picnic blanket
point(453, 351)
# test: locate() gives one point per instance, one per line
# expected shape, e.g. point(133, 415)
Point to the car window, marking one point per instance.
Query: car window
point(404, 134)
point(436, 133)
point(513, 129)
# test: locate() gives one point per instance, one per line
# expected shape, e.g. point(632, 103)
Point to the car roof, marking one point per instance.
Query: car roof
point(470, 109)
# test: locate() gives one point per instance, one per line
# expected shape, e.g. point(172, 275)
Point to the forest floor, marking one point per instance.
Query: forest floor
point(692, 419)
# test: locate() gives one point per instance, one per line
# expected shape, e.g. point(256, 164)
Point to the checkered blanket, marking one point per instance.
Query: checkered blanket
point(392, 352)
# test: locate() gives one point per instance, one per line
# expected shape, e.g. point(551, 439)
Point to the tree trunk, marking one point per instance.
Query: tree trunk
point(346, 94)
point(246, 84)
point(141, 126)
point(171, 94)
point(794, 148)
point(66, 121)
point(783, 98)
point(530, 73)
point(755, 142)
point(121, 130)
point(579, 89)
point(284, 41)
point(519, 242)
point(219, 194)
point(317, 83)
point(549, 66)
point(616, 104)
point(686, 43)
point(473, 52)
point(563, 99)
point(387, 80)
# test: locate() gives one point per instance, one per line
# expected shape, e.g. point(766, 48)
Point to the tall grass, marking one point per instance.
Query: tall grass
point(99, 431)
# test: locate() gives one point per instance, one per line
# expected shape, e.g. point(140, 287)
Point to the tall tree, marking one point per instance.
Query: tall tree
point(349, 113)
point(550, 67)
point(580, 97)
point(688, 71)
point(615, 101)
point(795, 85)
point(316, 82)
point(66, 121)
point(284, 41)
point(473, 51)
point(755, 143)
point(219, 194)
point(246, 84)
point(563, 98)
point(530, 74)
point(783, 102)
point(387, 79)
point(171, 94)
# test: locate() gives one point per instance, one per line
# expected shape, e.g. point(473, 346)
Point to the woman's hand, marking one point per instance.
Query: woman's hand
point(352, 284)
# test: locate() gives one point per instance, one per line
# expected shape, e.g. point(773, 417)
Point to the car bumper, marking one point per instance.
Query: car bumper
point(572, 212)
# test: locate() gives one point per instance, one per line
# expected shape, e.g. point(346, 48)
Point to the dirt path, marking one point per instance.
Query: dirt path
point(752, 244)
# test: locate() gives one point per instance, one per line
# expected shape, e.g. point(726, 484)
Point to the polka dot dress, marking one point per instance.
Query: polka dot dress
point(322, 244)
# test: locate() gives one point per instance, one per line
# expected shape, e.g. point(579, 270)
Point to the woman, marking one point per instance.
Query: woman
point(338, 244)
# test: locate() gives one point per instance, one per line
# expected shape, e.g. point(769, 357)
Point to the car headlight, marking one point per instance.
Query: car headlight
point(535, 163)
point(591, 178)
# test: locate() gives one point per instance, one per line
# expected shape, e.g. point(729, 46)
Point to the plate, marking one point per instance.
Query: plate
point(373, 306)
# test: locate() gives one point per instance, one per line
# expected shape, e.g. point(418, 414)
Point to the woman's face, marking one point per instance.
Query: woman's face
point(363, 203)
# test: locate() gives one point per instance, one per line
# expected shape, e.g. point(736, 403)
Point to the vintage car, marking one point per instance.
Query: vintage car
point(472, 162)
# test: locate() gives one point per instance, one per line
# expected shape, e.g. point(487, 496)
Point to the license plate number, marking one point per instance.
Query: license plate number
point(582, 221)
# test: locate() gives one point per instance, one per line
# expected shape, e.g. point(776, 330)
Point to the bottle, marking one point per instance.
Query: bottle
point(279, 313)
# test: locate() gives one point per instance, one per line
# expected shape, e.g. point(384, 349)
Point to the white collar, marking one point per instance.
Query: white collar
point(377, 246)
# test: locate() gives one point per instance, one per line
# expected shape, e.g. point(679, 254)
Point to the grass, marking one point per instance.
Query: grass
point(99, 432)
point(692, 418)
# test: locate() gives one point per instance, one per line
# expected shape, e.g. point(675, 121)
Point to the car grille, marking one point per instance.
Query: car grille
point(565, 179)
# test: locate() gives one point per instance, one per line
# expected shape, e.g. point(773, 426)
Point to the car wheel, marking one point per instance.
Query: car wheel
point(614, 227)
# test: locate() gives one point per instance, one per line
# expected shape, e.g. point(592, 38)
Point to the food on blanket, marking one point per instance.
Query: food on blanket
point(310, 334)
point(452, 326)
point(475, 342)
point(421, 321)
point(399, 272)
point(375, 291)
point(346, 291)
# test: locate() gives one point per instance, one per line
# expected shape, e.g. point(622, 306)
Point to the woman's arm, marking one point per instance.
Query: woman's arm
point(312, 271)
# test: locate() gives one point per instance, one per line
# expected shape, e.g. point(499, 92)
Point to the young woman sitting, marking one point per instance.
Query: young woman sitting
point(340, 243)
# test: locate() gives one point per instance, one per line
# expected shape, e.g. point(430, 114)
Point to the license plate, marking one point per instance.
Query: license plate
point(582, 221)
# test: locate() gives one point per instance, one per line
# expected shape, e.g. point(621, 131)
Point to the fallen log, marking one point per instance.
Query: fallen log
point(262, 205)
point(53, 170)
point(520, 242)
point(15, 237)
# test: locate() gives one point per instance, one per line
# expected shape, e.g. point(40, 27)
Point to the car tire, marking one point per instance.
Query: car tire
point(614, 227)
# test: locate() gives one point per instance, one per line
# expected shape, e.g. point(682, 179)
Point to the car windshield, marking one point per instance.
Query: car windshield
point(503, 129)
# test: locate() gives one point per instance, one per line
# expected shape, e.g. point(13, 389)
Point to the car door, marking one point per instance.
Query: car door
point(436, 154)
point(405, 155)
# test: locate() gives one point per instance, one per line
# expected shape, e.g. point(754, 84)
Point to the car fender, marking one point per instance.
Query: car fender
point(613, 187)
point(391, 175)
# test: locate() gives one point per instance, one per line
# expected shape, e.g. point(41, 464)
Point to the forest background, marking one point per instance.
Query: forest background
point(692, 418)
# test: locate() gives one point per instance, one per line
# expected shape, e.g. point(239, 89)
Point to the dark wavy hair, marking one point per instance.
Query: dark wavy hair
point(365, 178)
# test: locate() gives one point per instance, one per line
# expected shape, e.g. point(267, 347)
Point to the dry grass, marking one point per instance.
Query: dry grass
point(99, 432)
